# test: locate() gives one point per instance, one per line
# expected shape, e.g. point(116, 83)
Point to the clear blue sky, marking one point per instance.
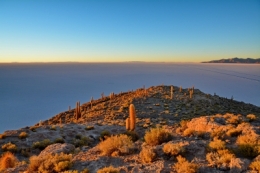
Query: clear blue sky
point(128, 30)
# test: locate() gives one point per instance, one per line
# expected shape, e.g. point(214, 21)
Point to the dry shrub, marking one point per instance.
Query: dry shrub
point(233, 119)
point(184, 166)
point(255, 166)
point(50, 163)
point(81, 141)
point(104, 134)
point(2, 136)
point(233, 132)
point(251, 117)
point(157, 136)
point(8, 160)
point(217, 144)
point(173, 149)
point(23, 135)
point(147, 155)
point(217, 133)
point(9, 147)
point(188, 132)
point(41, 145)
point(120, 143)
point(109, 169)
point(248, 145)
point(219, 158)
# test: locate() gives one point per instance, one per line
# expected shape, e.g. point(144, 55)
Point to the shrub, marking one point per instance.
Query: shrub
point(172, 149)
point(82, 141)
point(183, 165)
point(109, 169)
point(104, 134)
point(147, 155)
point(50, 163)
point(233, 132)
point(89, 127)
point(233, 119)
point(188, 132)
point(156, 136)
point(217, 144)
point(9, 147)
point(23, 135)
point(248, 145)
point(120, 143)
point(59, 140)
point(251, 117)
point(219, 158)
point(255, 166)
point(2, 136)
point(8, 160)
point(41, 145)
point(133, 135)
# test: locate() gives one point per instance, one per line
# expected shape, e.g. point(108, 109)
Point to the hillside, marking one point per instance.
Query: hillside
point(236, 60)
point(176, 130)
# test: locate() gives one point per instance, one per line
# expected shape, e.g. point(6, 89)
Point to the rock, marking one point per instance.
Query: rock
point(58, 148)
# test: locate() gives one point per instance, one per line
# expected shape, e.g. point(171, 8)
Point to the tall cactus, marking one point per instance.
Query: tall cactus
point(132, 116)
point(171, 92)
point(127, 124)
point(77, 113)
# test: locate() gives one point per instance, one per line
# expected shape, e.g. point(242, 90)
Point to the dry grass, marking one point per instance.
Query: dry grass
point(183, 166)
point(157, 136)
point(109, 169)
point(147, 155)
point(233, 132)
point(188, 132)
point(9, 147)
point(255, 166)
point(233, 119)
point(8, 160)
point(173, 149)
point(251, 117)
point(248, 145)
point(219, 158)
point(50, 163)
point(121, 144)
point(23, 135)
point(217, 144)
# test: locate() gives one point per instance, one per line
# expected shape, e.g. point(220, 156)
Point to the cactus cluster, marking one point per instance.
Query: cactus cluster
point(130, 122)
point(77, 113)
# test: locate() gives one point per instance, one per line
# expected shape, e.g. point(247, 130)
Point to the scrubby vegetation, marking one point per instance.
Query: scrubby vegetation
point(147, 155)
point(156, 136)
point(8, 160)
point(109, 169)
point(120, 144)
point(50, 163)
point(9, 147)
point(183, 165)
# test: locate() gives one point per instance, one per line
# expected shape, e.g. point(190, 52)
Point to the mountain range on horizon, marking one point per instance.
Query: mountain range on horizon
point(236, 60)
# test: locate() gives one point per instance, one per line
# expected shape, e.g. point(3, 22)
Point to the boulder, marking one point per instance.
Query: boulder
point(57, 148)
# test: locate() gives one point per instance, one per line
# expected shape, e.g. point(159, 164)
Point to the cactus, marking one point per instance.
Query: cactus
point(77, 113)
point(127, 124)
point(191, 94)
point(171, 92)
point(180, 89)
point(69, 108)
point(132, 117)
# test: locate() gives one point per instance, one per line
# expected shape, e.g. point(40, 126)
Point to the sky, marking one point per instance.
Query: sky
point(128, 30)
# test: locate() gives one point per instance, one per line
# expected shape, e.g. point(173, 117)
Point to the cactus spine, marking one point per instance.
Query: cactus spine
point(127, 124)
point(132, 116)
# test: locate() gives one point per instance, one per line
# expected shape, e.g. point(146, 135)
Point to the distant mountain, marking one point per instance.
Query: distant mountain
point(236, 60)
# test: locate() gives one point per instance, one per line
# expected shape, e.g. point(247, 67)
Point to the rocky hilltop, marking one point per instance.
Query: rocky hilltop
point(175, 130)
point(236, 60)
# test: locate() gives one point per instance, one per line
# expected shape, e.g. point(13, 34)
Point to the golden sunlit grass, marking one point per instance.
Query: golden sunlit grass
point(8, 160)
point(219, 158)
point(147, 155)
point(9, 147)
point(120, 144)
point(50, 163)
point(23, 135)
point(156, 136)
point(217, 144)
point(184, 166)
point(109, 169)
point(173, 149)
